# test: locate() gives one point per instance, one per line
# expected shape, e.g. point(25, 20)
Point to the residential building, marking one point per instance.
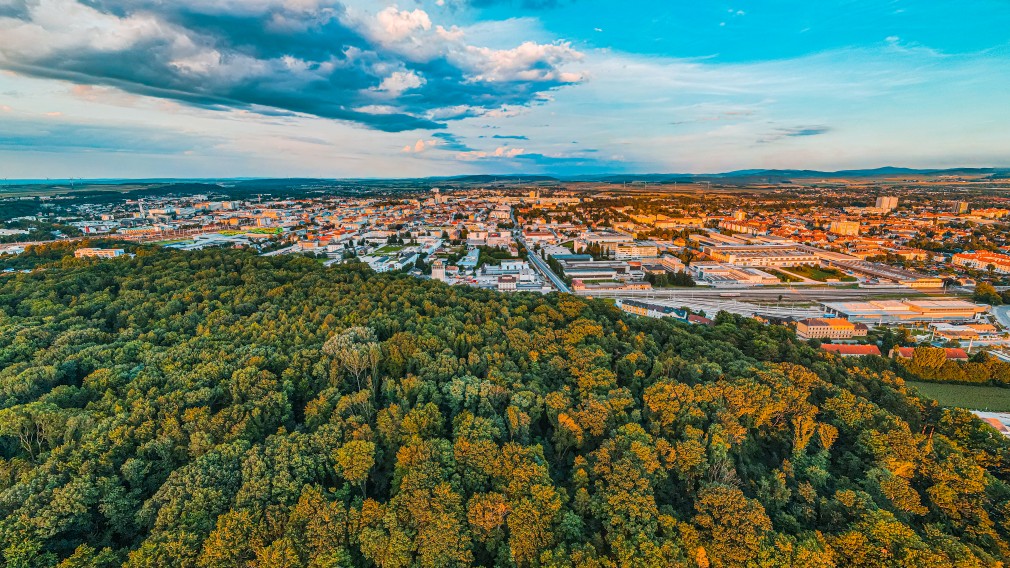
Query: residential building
point(981, 260)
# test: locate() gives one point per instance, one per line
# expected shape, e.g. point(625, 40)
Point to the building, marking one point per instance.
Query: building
point(851, 350)
point(625, 251)
point(981, 260)
point(951, 353)
point(720, 274)
point(97, 252)
point(887, 203)
point(744, 227)
point(829, 328)
point(905, 311)
point(650, 310)
point(438, 270)
point(960, 207)
point(844, 228)
point(507, 283)
point(763, 255)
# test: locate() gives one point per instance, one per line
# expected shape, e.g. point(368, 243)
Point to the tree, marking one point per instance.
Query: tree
point(356, 352)
point(354, 460)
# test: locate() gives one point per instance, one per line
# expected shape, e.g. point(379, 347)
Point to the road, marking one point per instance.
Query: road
point(541, 265)
point(1002, 314)
point(544, 269)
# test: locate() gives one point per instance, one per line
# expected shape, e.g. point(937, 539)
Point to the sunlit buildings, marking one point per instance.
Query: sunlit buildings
point(98, 253)
point(829, 328)
point(906, 311)
point(981, 260)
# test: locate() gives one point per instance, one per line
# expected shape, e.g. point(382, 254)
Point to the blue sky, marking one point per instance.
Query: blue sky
point(208, 88)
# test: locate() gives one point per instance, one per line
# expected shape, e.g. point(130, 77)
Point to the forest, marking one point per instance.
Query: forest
point(218, 408)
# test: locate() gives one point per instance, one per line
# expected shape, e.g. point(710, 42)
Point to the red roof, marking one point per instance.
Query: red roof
point(955, 353)
point(699, 319)
point(851, 350)
point(995, 423)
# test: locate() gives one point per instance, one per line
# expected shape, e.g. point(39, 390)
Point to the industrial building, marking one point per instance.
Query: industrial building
point(905, 311)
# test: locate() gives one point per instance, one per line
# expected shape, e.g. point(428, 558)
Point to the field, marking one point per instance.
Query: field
point(782, 275)
point(993, 399)
point(820, 274)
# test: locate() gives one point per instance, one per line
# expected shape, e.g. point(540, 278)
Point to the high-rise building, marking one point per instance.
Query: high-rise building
point(960, 207)
point(438, 270)
point(887, 202)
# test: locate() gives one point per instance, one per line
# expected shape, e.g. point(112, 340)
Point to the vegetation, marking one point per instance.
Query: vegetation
point(670, 279)
point(931, 363)
point(820, 273)
point(217, 408)
point(975, 397)
point(782, 276)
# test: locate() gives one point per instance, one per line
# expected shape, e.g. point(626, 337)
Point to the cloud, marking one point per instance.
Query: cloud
point(808, 131)
point(400, 81)
point(308, 57)
point(501, 152)
point(794, 132)
point(514, 137)
point(452, 142)
point(527, 4)
point(420, 146)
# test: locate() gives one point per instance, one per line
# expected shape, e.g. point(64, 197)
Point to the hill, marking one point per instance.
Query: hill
point(221, 409)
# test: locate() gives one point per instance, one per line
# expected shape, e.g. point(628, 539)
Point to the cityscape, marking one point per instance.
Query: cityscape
point(910, 254)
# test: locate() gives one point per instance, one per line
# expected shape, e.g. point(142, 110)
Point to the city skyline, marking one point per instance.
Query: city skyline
point(221, 88)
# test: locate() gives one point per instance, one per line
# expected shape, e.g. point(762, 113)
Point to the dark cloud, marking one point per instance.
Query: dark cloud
point(269, 57)
point(794, 132)
point(516, 137)
point(451, 142)
point(812, 131)
point(54, 135)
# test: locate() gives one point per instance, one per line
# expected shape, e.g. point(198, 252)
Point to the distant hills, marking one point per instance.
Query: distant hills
point(240, 187)
point(784, 175)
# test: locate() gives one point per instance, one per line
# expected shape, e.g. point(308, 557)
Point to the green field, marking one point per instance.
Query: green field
point(993, 399)
point(782, 275)
point(820, 273)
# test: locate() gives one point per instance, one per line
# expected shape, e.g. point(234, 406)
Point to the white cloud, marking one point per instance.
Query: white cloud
point(497, 153)
point(421, 146)
point(400, 81)
point(398, 25)
point(528, 62)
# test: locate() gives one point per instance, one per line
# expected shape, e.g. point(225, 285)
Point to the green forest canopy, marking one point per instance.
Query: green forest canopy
point(217, 408)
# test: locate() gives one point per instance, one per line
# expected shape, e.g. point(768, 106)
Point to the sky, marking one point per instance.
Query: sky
point(366, 88)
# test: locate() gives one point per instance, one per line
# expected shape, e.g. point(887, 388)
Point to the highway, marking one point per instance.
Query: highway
point(1002, 314)
point(540, 264)
point(544, 269)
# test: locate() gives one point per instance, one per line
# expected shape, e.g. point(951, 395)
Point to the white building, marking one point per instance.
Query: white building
point(438, 270)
